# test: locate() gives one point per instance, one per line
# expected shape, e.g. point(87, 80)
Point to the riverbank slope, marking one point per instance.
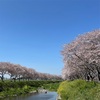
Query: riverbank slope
point(8, 88)
point(79, 90)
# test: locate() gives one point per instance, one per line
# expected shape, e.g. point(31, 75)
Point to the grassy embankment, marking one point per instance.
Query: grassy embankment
point(79, 90)
point(9, 88)
point(51, 86)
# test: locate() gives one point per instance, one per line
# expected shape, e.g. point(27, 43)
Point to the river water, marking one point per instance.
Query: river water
point(41, 96)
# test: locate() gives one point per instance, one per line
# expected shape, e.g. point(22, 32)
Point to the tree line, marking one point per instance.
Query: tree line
point(18, 72)
point(81, 57)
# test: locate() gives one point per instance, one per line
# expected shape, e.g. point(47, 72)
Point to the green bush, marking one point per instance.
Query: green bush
point(79, 90)
point(10, 88)
point(51, 86)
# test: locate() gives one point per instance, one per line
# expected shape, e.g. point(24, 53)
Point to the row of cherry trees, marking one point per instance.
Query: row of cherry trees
point(16, 71)
point(82, 57)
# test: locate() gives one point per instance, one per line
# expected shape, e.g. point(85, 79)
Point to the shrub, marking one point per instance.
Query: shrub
point(8, 88)
point(51, 86)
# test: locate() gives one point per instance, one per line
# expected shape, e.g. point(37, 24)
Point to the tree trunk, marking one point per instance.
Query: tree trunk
point(99, 76)
point(2, 77)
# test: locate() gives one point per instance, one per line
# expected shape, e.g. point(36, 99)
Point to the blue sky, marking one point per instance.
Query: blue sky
point(33, 32)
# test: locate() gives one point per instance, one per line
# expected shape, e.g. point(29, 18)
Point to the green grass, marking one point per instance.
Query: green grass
point(51, 86)
point(79, 90)
point(16, 91)
point(8, 88)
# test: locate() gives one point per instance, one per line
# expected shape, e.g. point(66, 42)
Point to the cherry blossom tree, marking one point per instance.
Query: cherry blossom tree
point(3, 70)
point(18, 72)
point(82, 57)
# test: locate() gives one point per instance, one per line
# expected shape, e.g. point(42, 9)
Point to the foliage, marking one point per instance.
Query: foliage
point(51, 86)
point(8, 88)
point(79, 90)
point(82, 57)
point(18, 72)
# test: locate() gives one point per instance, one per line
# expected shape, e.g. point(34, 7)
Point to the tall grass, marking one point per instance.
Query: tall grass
point(51, 86)
point(8, 88)
point(79, 90)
